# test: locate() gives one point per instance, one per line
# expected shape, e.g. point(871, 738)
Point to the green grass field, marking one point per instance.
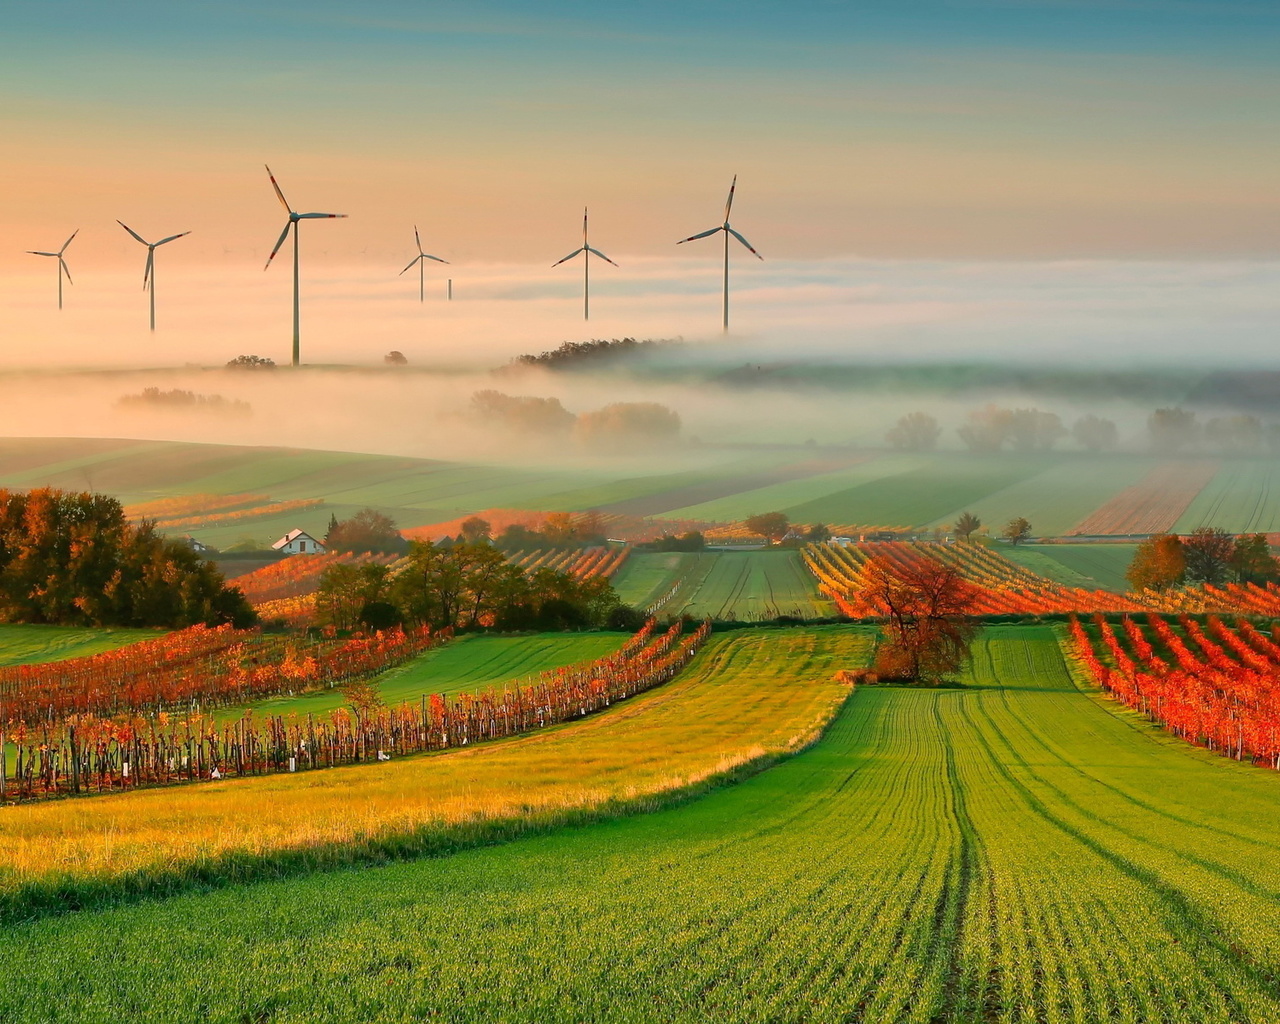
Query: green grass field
point(648, 575)
point(1015, 851)
point(743, 585)
point(1244, 497)
point(1057, 498)
point(923, 495)
point(467, 664)
point(1089, 566)
point(22, 644)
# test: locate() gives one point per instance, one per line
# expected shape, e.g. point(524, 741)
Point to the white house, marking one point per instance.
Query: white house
point(298, 542)
point(195, 545)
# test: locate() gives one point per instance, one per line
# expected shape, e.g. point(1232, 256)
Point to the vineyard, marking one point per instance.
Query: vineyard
point(1001, 587)
point(1015, 850)
point(188, 669)
point(89, 753)
point(582, 563)
point(207, 511)
point(1214, 685)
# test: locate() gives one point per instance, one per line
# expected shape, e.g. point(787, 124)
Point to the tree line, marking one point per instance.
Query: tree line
point(1169, 431)
point(1207, 555)
point(73, 558)
point(619, 425)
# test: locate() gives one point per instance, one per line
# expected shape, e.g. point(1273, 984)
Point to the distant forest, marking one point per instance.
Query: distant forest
point(579, 355)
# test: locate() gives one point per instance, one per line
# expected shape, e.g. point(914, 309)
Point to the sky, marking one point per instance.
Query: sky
point(877, 144)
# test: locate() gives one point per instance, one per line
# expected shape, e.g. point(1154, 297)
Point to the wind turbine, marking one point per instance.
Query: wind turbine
point(727, 232)
point(149, 275)
point(292, 225)
point(586, 251)
point(419, 260)
point(62, 264)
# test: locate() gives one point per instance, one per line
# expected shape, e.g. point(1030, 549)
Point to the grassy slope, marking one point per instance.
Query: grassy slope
point(922, 495)
point(1058, 498)
point(778, 685)
point(1244, 497)
point(646, 575)
point(1092, 566)
point(470, 663)
point(1014, 851)
point(29, 645)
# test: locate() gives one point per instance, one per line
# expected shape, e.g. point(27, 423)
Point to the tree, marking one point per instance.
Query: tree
point(772, 526)
point(625, 425)
point(347, 592)
point(915, 432)
point(395, 358)
point(368, 531)
point(1207, 555)
point(363, 695)
point(1252, 561)
point(927, 635)
point(476, 530)
point(967, 524)
point(251, 363)
point(1235, 435)
point(1172, 429)
point(524, 414)
point(1034, 430)
point(1158, 564)
point(1017, 529)
point(817, 533)
point(986, 429)
point(1094, 433)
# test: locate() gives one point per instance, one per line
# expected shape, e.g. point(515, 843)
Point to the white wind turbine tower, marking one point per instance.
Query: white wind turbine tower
point(727, 232)
point(62, 264)
point(420, 259)
point(149, 275)
point(587, 252)
point(292, 225)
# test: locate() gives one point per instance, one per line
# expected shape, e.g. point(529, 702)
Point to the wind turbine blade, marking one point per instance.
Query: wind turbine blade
point(320, 216)
point(62, 266)
point(428, 256)
point(745, 242)
point(146, 274)
point(704, 234)
point(172, 237)
point(410, 266)
point(279, 242)
point(601, 255)
point(132, 232)
point(36, 252)
point(417, 239)
point(729, 203)
point(584, 227)
point(569, 257)
point(279, 195)
point(68, 242)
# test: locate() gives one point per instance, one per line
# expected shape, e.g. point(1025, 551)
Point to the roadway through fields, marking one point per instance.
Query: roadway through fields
point(1014, 851)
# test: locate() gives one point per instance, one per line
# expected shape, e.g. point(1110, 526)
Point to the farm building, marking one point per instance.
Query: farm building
point(195, 545)
point(298, 542)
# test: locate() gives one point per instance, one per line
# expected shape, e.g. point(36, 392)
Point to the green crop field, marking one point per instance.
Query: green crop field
point(648, 575)
point(922, 495)
point(1090, 566)
point(746, 585)
point(467, 664)
point(1244, 497)
point(1058, 498)
point(1017, 850)
point(22, 644)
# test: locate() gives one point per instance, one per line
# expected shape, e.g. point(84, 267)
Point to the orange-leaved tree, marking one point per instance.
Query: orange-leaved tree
point(927, 635)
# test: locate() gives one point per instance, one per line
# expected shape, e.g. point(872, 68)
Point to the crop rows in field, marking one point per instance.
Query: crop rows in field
point(1213, 685)
point(1000, 586)
point(581, 563)
point(1153, 505)
point(1010, 851)
point(742, 586)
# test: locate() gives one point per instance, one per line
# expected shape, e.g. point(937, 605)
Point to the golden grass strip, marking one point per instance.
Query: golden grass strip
point(748, 698)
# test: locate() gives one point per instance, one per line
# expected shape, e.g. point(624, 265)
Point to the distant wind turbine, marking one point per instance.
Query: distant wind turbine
point(727, 232)
point(62, 264)
point(292, 225)
point(587, 252)
point(149, 275)
point(420, 260)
